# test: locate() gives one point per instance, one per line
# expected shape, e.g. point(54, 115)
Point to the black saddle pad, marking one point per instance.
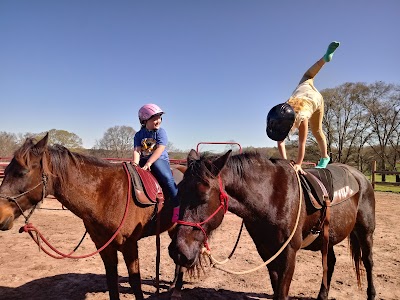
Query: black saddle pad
point(338, 182)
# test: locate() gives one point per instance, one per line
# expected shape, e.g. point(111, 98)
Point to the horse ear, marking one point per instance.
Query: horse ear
point(220, 162)
point(40, 146)
point(193, 155)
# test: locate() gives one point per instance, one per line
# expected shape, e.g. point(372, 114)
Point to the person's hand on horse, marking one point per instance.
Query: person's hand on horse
point(298, 168)
point(147, 166)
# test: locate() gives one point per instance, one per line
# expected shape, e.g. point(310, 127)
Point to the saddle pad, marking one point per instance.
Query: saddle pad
point(150, 183)
point(145, 186)
point(339, 182)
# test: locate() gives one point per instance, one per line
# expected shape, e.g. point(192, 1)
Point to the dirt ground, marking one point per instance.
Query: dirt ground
point(27, 273)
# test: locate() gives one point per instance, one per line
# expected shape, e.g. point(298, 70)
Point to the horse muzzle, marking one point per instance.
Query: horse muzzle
point(183, 255)
point(6, 218)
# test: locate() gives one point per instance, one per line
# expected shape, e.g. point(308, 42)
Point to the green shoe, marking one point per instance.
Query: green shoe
point(329, 52)
point(323, 162)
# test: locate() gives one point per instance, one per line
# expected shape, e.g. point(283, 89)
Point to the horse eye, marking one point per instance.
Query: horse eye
point(203, 187)
point(22, 172)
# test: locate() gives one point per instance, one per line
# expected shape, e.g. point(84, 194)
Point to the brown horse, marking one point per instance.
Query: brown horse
point(266, 194)
point(93, 189)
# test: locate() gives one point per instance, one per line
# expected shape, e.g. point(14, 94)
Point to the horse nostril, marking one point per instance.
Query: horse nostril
point(6, 224)
point(178, 257)
point(183, 260)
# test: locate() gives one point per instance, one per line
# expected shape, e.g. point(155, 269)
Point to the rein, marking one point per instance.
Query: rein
point(39, 237)
point(216, 262)
point(224, 199)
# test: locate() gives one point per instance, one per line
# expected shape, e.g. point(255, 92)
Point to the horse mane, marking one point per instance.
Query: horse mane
point(56, 159)
point(239, 164)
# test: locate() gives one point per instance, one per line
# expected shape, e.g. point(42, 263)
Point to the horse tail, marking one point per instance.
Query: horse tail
point(355, 249)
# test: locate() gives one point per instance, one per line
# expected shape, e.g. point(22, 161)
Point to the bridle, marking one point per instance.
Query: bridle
point(14, 198)
point(224, 199)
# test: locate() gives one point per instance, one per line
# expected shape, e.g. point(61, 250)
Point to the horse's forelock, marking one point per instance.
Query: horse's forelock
point(200, 168)
point(24, 153)
point(21, 155)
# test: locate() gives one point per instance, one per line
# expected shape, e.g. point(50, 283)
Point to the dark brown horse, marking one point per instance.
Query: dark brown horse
point(266, 194)
point(93, 189)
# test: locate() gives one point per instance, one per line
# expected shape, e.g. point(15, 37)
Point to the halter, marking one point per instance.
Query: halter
point(223, 197)
point(14, 198)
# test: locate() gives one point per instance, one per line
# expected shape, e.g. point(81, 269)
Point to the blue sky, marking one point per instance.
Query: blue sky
point(215, 66)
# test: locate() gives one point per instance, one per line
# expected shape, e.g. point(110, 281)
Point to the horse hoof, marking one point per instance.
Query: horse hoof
point(176, 295)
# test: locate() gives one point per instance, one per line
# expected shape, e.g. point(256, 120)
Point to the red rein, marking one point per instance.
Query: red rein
point(29, 228)
point(224, 199)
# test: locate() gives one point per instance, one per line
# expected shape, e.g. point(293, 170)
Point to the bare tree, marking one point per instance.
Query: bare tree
point(117, 142)
point(345, 121)
point(383, 104)
point(8, 143)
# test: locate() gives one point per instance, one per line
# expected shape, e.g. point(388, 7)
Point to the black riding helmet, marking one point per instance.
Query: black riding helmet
point(280, 120)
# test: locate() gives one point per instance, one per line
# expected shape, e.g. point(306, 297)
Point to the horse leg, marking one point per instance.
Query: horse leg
point(110, 261)
point(366, 246)
point(281, 273)
point(362, 238)
point(323, 292)
point(281, 269)
point(177, 283)
point(131, 257)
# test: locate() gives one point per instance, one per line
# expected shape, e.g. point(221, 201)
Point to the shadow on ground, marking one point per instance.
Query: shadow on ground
point(78, 286)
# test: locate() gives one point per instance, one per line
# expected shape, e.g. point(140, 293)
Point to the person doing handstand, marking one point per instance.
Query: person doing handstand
point(305, 108)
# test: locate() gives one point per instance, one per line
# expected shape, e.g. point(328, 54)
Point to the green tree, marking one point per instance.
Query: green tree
point(62, 137)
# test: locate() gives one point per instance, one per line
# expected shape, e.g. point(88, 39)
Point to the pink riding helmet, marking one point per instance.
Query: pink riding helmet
point(149, 110)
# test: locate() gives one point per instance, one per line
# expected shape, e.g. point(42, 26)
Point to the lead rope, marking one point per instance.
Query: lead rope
point(215, 262)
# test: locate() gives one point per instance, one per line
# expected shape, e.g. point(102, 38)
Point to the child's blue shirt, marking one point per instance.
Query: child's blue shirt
point(149, 141)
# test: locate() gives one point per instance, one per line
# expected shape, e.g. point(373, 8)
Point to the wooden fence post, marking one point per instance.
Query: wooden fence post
point(373, 173)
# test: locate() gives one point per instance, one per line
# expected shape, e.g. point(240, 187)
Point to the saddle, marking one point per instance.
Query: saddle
point(146, 189)
point(334, 183)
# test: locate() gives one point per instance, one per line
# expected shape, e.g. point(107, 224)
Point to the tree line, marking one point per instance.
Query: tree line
point(117, 142)
point(361, 123)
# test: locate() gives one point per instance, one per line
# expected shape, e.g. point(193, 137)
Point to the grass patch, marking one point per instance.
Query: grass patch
point(385, 188)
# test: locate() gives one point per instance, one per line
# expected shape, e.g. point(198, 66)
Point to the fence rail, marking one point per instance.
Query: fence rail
point(373, 176)
point(4, 161)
